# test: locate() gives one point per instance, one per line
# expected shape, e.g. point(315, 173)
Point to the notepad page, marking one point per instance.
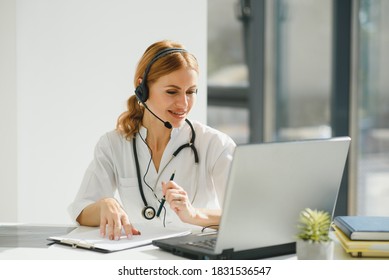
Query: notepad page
point(91, 236)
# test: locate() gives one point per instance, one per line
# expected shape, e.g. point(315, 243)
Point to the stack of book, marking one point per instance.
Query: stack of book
point(363, 236)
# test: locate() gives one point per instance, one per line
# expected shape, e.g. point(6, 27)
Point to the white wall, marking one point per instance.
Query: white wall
point(8, 136)
point(75, 63)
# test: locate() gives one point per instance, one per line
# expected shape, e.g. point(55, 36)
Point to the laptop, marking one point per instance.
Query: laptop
point(269, 185)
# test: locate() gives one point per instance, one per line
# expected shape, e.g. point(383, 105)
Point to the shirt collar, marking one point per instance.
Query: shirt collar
point(173, 134)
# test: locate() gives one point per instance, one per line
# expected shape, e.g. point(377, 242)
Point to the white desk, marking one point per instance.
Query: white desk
point(149, 252)
point(60, 252)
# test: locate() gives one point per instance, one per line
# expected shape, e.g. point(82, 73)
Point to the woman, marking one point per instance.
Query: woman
point(156, 154)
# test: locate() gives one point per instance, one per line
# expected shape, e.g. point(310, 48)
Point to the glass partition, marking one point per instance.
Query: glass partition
point(373, 109)
point(227, 69)
point(303, 59)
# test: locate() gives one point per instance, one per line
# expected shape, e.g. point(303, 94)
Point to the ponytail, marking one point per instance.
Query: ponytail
point(129, 122)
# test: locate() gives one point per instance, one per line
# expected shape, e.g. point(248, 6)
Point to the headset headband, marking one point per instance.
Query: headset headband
point(142, 91)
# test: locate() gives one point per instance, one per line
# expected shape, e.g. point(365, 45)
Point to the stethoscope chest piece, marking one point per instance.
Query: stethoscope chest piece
point(148, 212)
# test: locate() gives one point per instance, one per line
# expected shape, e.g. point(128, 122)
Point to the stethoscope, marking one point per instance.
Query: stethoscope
point(149, 212)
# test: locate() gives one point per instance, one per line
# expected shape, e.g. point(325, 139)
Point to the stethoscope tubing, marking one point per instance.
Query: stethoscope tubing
point(191, 145)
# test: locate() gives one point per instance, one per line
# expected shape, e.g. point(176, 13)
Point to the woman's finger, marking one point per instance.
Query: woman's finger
point(103, 225)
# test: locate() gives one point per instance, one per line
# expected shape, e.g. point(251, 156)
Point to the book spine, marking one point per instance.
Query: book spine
point(343, 227)
point(367, 254)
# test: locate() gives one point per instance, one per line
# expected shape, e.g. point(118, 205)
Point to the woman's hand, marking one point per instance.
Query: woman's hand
point(113, 218)
point(179, 202)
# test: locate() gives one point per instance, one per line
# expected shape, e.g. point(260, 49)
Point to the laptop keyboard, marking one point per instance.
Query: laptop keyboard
point(204, 244)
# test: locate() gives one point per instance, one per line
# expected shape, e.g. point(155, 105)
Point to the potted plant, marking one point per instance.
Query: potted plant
point(314, 242)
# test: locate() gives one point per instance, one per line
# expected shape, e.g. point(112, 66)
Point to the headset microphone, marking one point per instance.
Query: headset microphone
point(167, 124)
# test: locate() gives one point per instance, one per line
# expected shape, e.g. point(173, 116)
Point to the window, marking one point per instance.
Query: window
point(227, 71)
point(303, 69)
point(373, 109)
point(293, 57)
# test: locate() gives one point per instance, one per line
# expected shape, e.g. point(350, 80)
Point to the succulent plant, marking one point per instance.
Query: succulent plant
point(314, 225)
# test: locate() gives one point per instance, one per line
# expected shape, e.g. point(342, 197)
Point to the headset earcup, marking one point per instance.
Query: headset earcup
point(142, 93)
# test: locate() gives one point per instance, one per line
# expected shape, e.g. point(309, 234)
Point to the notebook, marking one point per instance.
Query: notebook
point(269, 184)
point(364, 227)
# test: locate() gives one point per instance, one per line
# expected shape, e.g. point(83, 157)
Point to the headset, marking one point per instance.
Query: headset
point(142, 91)
point(142, 94)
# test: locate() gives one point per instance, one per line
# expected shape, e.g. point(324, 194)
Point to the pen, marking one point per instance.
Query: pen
point(163, 198)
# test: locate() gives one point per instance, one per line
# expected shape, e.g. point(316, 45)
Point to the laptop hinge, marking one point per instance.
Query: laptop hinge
point(227, 254)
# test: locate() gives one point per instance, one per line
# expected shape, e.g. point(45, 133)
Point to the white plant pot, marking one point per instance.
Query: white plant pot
point(308, 250)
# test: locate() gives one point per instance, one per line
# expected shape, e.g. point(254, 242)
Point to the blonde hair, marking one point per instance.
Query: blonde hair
point(129, 122)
